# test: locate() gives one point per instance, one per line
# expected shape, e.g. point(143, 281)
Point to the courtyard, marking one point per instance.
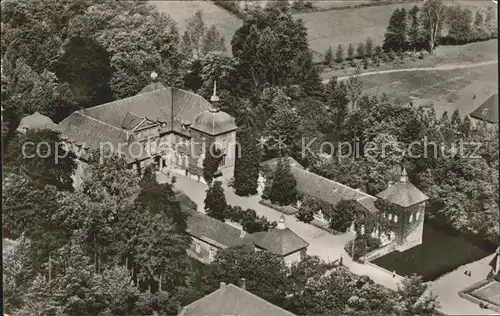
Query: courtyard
point(331, 247)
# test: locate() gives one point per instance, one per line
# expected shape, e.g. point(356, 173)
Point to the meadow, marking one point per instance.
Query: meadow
point(354, 25)
point(446, 90)
point(180, 11)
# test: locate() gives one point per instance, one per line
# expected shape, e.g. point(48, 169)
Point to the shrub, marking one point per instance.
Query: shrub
point(308, 208)
point(363, 244)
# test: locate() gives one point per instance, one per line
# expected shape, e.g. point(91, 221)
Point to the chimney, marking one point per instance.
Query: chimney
point(281, 223)
point(222, 285)
point(243, 283)
point(154, 76)
point(404, 176)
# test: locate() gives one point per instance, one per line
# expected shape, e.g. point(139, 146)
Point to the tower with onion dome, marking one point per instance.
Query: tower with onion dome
point(216, 127)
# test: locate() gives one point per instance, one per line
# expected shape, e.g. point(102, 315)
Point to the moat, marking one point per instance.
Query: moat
point(442, 251)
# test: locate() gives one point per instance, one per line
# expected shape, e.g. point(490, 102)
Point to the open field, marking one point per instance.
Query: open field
point(331, 28)
point(463, 54)
point(179, 11)
point(447, 90)
point(489, 293)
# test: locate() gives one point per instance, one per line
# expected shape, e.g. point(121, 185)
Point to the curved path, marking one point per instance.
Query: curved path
point(440, 67)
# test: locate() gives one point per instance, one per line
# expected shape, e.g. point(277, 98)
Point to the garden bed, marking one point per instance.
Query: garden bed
point(477, 293)
point(288, 210)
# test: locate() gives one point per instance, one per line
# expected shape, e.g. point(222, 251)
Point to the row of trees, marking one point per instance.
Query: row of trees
point(217, 207)
point(363, 50)
point(306, 289)
point(433, 23)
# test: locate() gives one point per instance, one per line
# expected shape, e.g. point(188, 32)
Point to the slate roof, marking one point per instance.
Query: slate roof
point(403, 193)
point(368, 202)
point(488, 111)
point(110, 122)
point(36, 121)
point(214, 122)
point(324, 189)
point(233, 300)
point(280, 241)
point(215, 232)
point(273, 163)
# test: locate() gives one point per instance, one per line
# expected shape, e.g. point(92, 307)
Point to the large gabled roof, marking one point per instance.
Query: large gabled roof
point(112, 122)
point(233, 300)
point(488, 111)
point(215, 232)
point(324, 189)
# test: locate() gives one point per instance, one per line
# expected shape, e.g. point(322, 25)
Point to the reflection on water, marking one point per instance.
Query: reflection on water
point(441, 252)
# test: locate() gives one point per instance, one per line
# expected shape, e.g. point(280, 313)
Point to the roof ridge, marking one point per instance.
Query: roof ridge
point(332, 181)
point(104, 123)
point(258, 298)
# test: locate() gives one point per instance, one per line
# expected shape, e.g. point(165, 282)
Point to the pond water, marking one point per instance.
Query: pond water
point(441, 251)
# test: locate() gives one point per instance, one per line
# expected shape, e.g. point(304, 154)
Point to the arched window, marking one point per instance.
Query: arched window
point(390, 216)
point(411, 218)
point(417, 215)
point(395, 218)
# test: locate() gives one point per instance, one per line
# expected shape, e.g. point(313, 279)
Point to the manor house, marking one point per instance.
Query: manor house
point(165, 126)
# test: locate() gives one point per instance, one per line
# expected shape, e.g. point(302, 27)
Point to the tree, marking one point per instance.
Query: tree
point(460, 23)
point(455, 118)
point(215, 201)
point(283, 127)
point(360, 50)
point(343, 215)
point(490, 22)
point(415, 31)
point(216, 66)
point(395, 35)
point(283, 191)
point(329, 56)
point(195, 30)
point(213, 41)
point(40, 154)
point(413, 298)
point(369, 47)
point(350, 52)
point(246, 169)
point(312, 84)
point(211, 163)
point(308, 207)
point(434, 13)
point(339, 54)
point(265, 273)
point(310, 267)
point(147, 41)
point(266, 46)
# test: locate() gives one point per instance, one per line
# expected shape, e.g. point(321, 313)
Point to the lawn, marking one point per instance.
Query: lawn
point(439, 253)
point(179, 11)
point(446, 90)
point(489, 293)
point(354, 25)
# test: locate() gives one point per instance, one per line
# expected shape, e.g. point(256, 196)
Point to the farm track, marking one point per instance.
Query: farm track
point(436, 68)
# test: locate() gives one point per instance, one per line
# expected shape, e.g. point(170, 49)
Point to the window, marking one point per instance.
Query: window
point(395, 218)
point(211, 254)
point(417, 216)
point(198, 248)
point(390, 216)
point(411, 218)
point(223, 160)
